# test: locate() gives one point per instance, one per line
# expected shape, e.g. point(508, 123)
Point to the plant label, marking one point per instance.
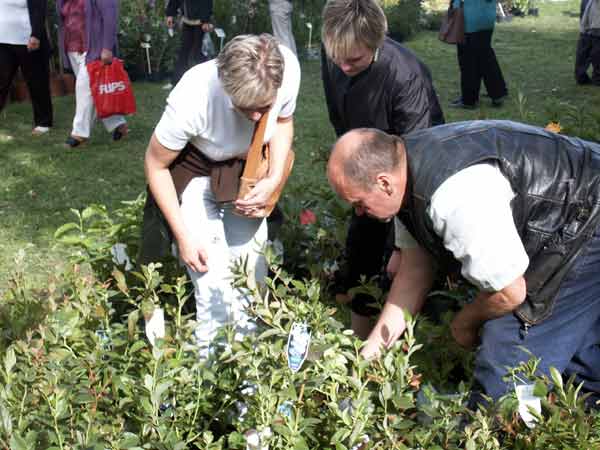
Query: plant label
point(120, 256)
point(297, 345)
point(155, 326)
point(526, 400)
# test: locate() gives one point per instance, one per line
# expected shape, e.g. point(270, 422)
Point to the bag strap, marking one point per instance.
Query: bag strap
point(255, 150)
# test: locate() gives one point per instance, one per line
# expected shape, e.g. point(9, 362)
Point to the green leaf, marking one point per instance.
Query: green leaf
point(5, 419)
point(128, 441)
point(63, 229)
point(18, 443)
point(540, 389)
point(386, 391)
point(136, 346)
point(9, 360)
point(269, 333)
point(120, 279)
point(132, 320)
point(556, 378)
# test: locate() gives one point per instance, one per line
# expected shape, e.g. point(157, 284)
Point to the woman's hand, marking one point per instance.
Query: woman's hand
point(106, 56)
point(33, 44)
point(256, 200)
point(193, 254)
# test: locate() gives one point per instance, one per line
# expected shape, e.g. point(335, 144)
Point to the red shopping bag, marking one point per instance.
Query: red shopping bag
point(111, 88)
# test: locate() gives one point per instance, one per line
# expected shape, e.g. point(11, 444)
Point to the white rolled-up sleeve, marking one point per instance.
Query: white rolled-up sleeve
point(471, 212)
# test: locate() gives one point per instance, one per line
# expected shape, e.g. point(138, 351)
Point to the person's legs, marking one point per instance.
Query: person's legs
point(365, 248)
point(595, 60)
point(203, 217)
point(246, 238)
point(470, 79)
point(488, 66)
point(281, 21)
point(564, 341)
point(8, 68)
point(196, 55)
point(187, 42)
point(111, 123)
point(582, 58)
point(84, 104)
point(36, 72)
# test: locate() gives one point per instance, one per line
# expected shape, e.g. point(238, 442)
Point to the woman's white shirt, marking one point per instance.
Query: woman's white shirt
point(200, 112)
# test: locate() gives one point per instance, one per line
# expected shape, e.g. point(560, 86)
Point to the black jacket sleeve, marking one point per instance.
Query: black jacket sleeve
point(37, 17)
point(329, 89)
point(411, 109)
point(172, 7)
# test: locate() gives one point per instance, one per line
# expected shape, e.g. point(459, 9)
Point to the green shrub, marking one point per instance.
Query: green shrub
point(78, 372)
point(404, 17)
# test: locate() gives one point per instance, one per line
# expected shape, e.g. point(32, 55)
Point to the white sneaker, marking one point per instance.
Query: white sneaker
point(167, 87)
point(38, 131)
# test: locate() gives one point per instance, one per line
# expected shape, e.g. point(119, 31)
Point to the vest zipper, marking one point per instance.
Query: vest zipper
point(524, 331)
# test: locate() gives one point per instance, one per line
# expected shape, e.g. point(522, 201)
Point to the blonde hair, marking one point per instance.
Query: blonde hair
point(347, 23)
point(251, 69)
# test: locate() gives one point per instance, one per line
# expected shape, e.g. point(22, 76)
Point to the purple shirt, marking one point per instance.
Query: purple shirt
point(73, 20)
point(101, 25)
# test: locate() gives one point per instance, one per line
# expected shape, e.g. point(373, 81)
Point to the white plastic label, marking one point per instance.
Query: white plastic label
point(219, 32)
point(120, 256)
point(528, 400)
point(155, 326)
point(297, 345)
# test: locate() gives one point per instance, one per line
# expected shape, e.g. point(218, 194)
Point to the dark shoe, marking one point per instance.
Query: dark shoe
point(120, 132)
point(583, 80)
point(73, 142)
point(458, 103)
point(498, 102)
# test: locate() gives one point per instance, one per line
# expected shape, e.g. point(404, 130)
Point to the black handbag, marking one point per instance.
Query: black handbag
point(156, 234)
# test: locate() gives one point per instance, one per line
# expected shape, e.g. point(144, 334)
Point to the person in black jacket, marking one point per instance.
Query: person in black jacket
point(196, 21)
point(24, 44)
point(371, 81)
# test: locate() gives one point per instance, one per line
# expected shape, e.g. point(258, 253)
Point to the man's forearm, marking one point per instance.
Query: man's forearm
point(491, 305)
point(408, 292)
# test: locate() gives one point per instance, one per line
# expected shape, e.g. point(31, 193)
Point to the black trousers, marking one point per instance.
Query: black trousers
point(36, 71)
point(477, 61)
point(367, 244)
point(190, 52)
point(588, 52)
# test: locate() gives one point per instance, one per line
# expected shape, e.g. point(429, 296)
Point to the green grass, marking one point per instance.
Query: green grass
point(40, 180)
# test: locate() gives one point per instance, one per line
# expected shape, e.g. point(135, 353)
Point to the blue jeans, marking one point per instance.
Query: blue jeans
point(568, 340)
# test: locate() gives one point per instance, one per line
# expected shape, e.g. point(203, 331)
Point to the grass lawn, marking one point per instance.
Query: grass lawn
point(40, 180)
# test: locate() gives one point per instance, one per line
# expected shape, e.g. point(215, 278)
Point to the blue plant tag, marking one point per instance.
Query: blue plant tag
point(297, 345)
point(104, 339)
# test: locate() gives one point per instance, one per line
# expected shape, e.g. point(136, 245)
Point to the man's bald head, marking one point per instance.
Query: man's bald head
point(360, 155)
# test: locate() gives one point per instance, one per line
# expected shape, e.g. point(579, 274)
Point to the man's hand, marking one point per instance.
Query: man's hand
point(33, 44)
point(207, 27)
point(170, 21)
point(372, 348)
point(193, 255)
point(256, 200)
point(465, 333)
point(486, 306)
point(386, 332)
point(106, 56)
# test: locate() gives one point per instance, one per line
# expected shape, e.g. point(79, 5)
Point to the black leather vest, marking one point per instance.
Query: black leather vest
point(556, 180)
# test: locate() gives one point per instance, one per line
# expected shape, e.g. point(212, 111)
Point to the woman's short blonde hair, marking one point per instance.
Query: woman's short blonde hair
point(251, 69)
point(347, 23)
